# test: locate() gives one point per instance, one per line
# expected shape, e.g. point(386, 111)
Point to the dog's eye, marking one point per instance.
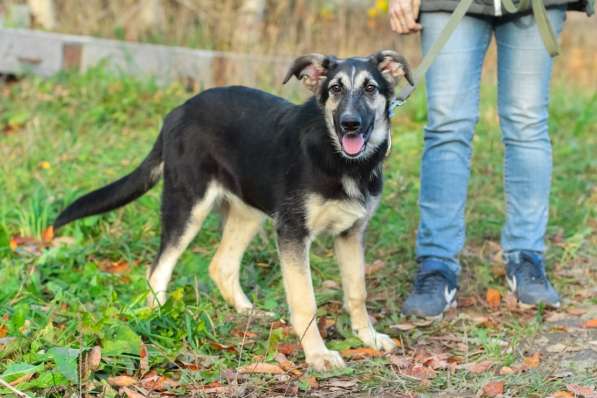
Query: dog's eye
point(336, 89)
point(370, 88)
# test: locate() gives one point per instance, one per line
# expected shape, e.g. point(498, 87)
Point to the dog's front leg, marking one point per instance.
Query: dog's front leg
point(350, 256)
point(296, 272)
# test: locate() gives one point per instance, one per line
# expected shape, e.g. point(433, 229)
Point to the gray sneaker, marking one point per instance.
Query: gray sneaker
point(434, 290)
point(525, 274)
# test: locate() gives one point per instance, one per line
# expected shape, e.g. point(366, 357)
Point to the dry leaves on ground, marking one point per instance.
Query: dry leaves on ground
point(582, 391)
point(532, 361)
point(493, 388)
point(261, 367)
point(122, 381)
point(590, 324)
point(477, 367)
point(493, 298)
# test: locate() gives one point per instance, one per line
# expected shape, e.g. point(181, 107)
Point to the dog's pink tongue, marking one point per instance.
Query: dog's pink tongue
point(352, 144)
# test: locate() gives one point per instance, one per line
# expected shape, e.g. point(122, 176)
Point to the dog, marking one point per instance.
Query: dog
point(312, 168)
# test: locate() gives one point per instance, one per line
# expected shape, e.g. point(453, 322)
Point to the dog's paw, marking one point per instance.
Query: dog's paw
point(326, 360)
point(376, 340)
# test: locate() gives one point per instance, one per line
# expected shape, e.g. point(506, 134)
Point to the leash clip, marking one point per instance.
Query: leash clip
point(395, 103)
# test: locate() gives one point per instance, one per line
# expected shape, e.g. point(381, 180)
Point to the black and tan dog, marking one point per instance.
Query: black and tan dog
point(312, 168)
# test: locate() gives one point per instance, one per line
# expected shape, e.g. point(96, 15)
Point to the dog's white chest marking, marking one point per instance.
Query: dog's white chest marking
point(332, 216)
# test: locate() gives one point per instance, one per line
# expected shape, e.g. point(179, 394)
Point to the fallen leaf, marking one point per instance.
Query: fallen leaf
point(311, 381)
point(13, 244)
point(114, 267)
point(493, 298)
point(400, 361)
point(130, 393)
point(261, 367)
point(405, 327)
point(23, 379)
point(360, 353)
point(590, 324)
point(583, 391)
point(419, 371)
point(376, 266)
point(155, 382)
point(45, 165)
point(477, 367)
point(48, 234)
point(94, 358)
point(324, 324)
point(532, 362)
point(287, 365)
point(493, 388)
point(143, 359)
point(561, 394)
point(506, 370)
point(3, 331)
point(122, 381)
point(288, 348)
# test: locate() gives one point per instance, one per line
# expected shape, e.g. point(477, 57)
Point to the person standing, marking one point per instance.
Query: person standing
point(452, 89)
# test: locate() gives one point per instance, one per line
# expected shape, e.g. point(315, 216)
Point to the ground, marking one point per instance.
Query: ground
point(72, 307)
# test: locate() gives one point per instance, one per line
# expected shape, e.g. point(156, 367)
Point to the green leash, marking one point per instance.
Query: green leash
point(543, 25)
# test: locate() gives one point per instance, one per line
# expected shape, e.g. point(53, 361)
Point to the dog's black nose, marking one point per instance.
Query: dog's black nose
point(350, 122)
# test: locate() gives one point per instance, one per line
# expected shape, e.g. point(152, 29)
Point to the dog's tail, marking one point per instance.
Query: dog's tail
point(120, 192)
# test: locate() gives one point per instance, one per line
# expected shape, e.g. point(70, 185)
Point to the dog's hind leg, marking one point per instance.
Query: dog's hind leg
point(241, 225)
point(350, 256)
point(182, 217)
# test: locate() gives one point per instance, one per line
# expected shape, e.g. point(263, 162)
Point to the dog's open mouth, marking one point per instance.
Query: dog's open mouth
point(353, 144)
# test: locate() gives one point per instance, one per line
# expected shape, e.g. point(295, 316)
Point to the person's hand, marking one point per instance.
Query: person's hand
point(403, 16)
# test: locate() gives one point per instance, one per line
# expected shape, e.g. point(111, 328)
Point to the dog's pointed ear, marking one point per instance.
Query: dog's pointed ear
point(311, 69)
point(392, 66)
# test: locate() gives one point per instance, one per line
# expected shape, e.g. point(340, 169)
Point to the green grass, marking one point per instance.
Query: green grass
point(57, 303)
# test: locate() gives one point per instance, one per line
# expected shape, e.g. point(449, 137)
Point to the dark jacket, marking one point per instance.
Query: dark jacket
point(494, 7)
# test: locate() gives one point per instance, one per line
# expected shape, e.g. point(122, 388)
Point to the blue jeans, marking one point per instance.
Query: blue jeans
point(452, 83)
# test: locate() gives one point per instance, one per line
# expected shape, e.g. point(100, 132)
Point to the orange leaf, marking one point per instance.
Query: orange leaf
point(287, 348)
point(155, 382)
point(122, 381)
point(311, 381)
point(287, 365)
point(261, 367)
point(590, 324)
point(532, 362)
point(360, 353)
point(114, 267)
point(48, 234)
point(561, 394)
point(13, 244)
point(222, 347)
point(3, 331)
point(493, 298)
point(493, 388)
